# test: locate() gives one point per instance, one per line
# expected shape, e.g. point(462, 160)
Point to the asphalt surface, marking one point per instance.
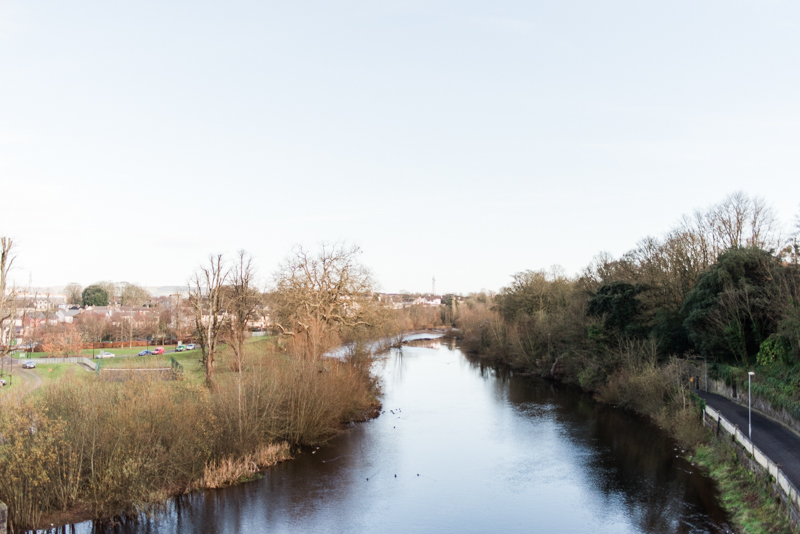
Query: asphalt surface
point(171, 351)
point(780, 444)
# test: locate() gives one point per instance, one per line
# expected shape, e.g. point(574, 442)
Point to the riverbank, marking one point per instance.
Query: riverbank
point(225, 473)
point(749, 500)
point(655, 390)
point(475, 448)
point(102, 450)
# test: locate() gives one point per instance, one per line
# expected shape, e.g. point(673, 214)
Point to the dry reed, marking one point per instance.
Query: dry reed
point(227, 471)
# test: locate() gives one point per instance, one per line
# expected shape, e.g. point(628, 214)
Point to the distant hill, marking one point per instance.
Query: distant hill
point(165, 291)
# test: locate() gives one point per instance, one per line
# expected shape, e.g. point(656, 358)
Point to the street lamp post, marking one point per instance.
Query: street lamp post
point(749, 407)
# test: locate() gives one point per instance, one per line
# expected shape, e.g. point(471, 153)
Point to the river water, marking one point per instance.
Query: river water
point(467, 447)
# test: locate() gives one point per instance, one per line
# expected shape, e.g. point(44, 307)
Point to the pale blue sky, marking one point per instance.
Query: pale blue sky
point(465, 140)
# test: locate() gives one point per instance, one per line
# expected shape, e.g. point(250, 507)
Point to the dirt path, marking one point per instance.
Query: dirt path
point(31, 379)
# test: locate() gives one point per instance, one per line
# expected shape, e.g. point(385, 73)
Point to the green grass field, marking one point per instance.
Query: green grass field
point(48, 373)
point(190, 360)
point(56, 371)
point(51, 372)
point(12, 383)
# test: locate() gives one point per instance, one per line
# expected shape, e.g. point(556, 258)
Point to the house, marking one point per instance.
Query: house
point(66, 315)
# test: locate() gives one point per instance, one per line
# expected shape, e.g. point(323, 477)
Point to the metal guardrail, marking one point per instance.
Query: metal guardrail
point(790, 492)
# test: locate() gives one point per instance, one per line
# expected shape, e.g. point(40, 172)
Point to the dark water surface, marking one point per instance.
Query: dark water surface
point(469, 448)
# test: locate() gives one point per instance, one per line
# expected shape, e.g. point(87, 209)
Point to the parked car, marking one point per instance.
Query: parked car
point(104, 354)
point(2, 382)
point(30, 364)
point(146, 353)
point(180, 348)
point(191, 346)
point(159, 350)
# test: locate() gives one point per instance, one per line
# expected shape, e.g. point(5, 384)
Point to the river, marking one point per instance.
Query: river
point(463, 446)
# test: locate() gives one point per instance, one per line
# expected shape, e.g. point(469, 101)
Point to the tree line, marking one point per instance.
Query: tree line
point(722, 284)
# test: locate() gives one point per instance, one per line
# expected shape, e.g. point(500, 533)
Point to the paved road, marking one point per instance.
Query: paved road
point(781, 445)
point(135, 355)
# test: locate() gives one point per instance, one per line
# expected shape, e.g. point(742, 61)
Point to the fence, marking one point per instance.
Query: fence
point(758, 462)
point(120, 374)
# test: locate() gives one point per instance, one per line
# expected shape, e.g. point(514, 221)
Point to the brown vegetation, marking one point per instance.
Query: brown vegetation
point(318, 299)
point(227, 471)
point(61, 340)
point(119, 448)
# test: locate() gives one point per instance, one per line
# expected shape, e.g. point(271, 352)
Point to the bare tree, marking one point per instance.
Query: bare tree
point(243, 302)
point(74, 295)
point(317, 296)
point(737, 221)
point(208, 301)
point(111, 289)
point(181, 318)
point(132, 294)
point(148, 325)
point(8, 297)
point(91, 326)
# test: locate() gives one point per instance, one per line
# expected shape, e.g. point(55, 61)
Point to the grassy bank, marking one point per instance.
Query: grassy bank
point(747, 499)
point(108, 449)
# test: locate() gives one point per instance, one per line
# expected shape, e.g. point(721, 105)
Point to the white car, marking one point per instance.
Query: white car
point(104, 354)
point(30, 364)
point(2, 382)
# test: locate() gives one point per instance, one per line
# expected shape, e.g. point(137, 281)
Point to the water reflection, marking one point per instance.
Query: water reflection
point(463, 446)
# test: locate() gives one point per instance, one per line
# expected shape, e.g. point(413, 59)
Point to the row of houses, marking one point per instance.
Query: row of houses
point(398, 301)
point(155, 318)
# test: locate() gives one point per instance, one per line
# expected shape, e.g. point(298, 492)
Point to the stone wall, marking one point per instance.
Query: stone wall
point(759, 405)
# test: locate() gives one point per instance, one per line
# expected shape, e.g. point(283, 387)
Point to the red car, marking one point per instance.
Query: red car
point(159, 350)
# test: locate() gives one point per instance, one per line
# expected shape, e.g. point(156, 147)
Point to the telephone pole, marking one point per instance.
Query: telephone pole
point(433, 288)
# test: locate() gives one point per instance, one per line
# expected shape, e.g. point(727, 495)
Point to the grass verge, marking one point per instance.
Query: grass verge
point(747, 499)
